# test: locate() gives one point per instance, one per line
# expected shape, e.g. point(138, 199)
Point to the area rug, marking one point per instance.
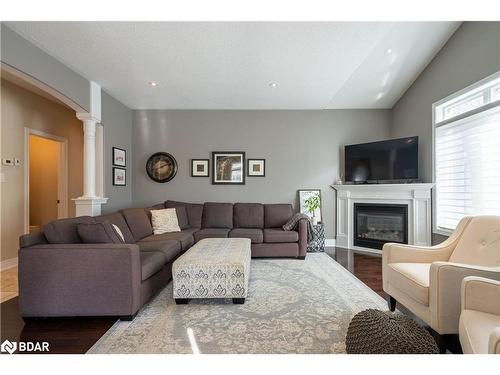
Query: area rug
point(293, 306)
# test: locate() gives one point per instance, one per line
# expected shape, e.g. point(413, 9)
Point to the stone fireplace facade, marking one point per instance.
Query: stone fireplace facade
point(370, 215)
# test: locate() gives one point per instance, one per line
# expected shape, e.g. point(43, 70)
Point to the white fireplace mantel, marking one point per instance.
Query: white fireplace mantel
point(416, 196)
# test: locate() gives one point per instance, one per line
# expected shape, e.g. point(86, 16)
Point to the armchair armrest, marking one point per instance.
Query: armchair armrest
point(494, 341)
point(79, 280)
point(445, 292)
point(303, 240)
point(481, 294)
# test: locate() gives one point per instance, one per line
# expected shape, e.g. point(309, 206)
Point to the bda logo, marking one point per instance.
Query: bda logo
point(8, 347)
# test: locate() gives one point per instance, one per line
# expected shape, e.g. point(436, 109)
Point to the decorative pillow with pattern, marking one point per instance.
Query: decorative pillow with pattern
point(164, 221)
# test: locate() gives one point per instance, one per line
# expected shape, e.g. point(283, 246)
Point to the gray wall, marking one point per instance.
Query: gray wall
point(471, 54)
point(302, 150)
point(117, 122)
point(26, 57)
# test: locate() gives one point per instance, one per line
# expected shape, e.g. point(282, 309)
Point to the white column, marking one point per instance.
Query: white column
point(99, 163)
point(89, 204)
point(89, 128)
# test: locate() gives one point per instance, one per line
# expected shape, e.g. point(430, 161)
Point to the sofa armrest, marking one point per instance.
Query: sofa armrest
point(445, 292)
point(79, 280)
point(303, 241)
point(481, 294)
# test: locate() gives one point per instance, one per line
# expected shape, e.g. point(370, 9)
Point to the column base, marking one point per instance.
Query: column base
point(89, 206)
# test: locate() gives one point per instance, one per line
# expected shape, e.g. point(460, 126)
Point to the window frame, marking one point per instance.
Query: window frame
point(436, 124)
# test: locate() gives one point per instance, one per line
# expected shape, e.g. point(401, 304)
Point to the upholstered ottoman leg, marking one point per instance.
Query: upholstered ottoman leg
point(181, 301)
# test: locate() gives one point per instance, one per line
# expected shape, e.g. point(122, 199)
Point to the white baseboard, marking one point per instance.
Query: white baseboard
point(330, 242)
point(8, 263)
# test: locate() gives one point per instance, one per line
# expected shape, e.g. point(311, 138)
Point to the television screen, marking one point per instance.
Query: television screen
point(395, 159)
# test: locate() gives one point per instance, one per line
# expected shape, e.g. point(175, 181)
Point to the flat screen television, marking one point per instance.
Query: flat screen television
point(394, 160)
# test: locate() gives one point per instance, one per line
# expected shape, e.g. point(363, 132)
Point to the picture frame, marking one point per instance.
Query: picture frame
point(256, 167)
point(304, 195)
point(200, 167)
point(119, 176)
point(119, 157)
point(228, 168)
point(161, 167)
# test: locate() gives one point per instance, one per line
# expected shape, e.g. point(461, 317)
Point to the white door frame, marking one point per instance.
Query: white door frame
point(62, 183)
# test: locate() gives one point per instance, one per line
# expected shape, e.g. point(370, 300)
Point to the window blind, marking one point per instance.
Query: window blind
point(467, 168)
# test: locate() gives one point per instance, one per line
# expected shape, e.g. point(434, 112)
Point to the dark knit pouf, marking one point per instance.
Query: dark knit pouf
point(382, 332)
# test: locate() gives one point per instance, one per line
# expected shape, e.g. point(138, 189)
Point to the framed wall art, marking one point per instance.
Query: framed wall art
point(256, 168)
point(119, 157)
point(119, 176)
point(200, 167)
point(228, 168)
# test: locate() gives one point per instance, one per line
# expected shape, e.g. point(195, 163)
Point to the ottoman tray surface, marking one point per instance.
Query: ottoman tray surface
point(213, 268)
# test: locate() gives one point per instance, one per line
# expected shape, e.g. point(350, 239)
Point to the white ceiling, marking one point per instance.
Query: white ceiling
point(217, 65)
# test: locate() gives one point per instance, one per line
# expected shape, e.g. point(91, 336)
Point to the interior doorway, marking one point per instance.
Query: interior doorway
point(46, 193)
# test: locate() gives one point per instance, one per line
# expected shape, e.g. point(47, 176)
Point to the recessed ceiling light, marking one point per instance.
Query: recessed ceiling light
point(388, 51)
point(153, 83)
point(273, 84)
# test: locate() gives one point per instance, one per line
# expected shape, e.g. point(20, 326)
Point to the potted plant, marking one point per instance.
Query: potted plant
point(312, 204)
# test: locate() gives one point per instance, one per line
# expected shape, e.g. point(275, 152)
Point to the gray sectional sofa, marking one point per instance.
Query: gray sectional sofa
point(59, 275)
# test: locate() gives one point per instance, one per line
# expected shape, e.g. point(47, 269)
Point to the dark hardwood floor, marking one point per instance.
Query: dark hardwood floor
point(77, 335)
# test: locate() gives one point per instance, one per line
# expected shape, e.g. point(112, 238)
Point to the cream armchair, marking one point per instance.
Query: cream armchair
point(479, 326)
point(427, 280)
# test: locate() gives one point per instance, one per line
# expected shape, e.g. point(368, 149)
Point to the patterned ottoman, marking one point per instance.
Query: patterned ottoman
point(213, 268)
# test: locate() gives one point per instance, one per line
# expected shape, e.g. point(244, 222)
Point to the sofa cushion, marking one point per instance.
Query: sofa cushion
point(151, 262)
point(102, 232)
point(182, 216)
point(248, 215)
point(217, 215)
point(158, 206)
point(254, 234)
point(276, 215)
point(118, 219)
point(211, 233)
point(65, 230)
point(275, 235)
point(138, 222)
point(169, 248)
point(185, 238)
point(194, 212)
point(412, 279)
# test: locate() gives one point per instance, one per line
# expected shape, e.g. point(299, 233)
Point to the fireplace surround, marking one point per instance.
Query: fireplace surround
point(416, 198)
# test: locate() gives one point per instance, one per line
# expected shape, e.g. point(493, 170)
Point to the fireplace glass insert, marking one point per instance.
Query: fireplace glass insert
point(377, 224)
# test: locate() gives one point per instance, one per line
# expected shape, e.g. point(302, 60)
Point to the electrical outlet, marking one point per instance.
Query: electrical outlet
point(8, 162)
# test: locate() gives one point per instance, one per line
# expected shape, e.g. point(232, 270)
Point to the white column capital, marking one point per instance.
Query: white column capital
point(85, 116)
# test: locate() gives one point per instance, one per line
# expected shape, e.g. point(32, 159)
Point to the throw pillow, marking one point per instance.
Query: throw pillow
point(119, 232)
point(164, 221)
point(103, 232)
